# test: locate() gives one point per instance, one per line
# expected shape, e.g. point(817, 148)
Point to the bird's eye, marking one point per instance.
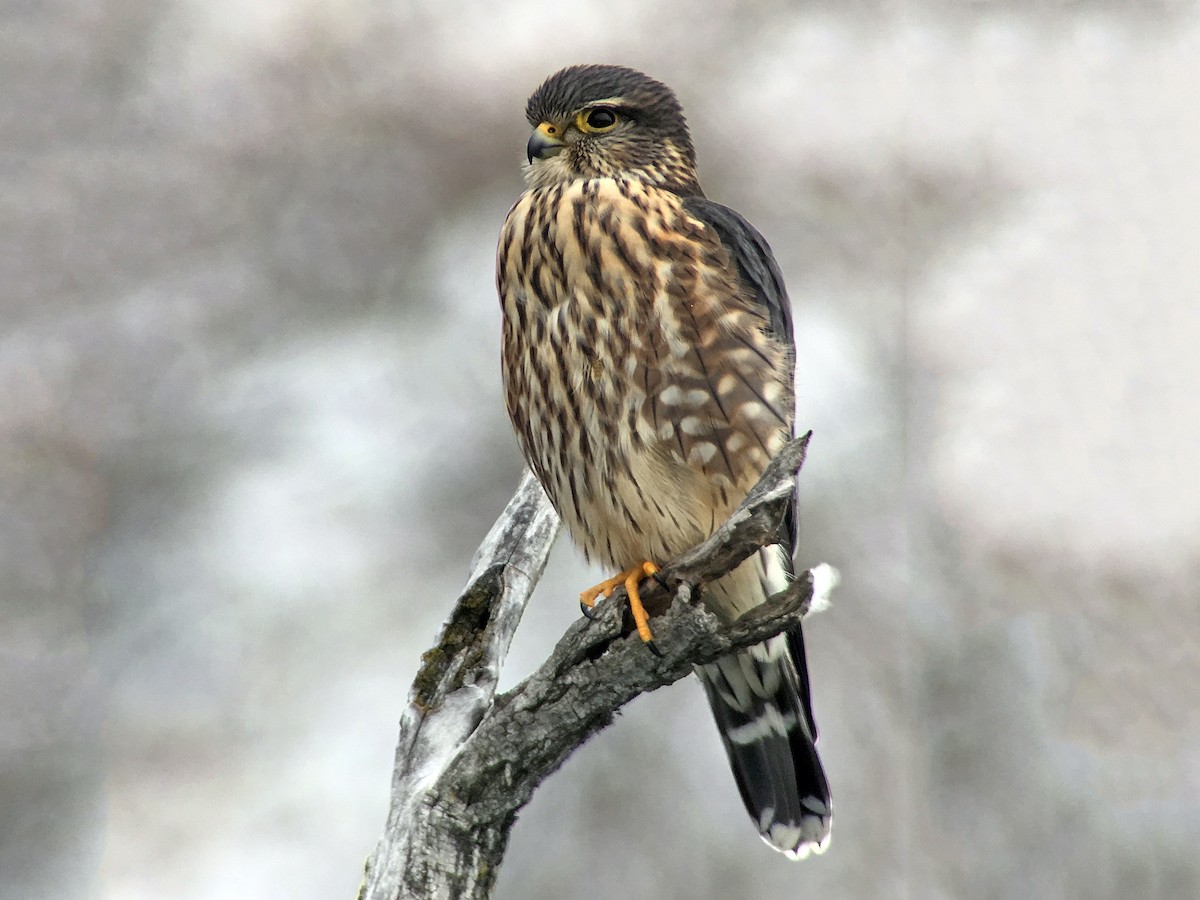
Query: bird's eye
point(599, 119)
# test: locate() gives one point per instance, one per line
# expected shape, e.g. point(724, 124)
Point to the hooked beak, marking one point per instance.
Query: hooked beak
point(544, 142)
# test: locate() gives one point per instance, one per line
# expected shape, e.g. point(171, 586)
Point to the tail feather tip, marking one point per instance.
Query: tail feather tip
point(798, 841)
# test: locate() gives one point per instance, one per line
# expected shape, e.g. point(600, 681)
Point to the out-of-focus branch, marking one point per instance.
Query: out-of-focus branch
point(468, 760)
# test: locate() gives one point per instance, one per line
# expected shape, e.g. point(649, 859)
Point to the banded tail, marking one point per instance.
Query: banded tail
point(760, 700)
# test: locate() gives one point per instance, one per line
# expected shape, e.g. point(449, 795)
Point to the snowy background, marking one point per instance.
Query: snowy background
point(251, 432)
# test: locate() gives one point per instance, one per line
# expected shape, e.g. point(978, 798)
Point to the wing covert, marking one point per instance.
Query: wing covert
point(755, 261)
point(760, 273)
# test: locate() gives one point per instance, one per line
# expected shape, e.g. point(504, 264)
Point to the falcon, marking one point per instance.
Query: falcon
point(648, 364)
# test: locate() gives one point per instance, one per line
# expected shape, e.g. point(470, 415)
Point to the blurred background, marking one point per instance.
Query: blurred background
point(251, 432)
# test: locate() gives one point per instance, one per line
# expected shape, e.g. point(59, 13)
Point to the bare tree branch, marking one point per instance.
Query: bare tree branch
point(468, 760)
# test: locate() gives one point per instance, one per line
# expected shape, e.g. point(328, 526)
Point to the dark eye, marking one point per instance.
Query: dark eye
point(601, 119)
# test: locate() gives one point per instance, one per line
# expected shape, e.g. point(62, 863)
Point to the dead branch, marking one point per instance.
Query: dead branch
point(468, 760)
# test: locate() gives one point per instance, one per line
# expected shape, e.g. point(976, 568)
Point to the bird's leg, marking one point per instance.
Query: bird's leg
point(630, 578)
point(640, 619)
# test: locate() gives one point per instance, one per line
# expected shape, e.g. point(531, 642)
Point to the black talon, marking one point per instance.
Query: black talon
point(653, 648)
point(588, 611)
point(662, 582)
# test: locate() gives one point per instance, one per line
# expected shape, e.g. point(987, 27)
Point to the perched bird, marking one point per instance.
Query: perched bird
point(648, 371)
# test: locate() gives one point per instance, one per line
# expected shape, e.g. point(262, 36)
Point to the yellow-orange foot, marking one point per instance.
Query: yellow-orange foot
point(630, 578)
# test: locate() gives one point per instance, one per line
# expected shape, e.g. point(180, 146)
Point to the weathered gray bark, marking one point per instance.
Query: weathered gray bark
point(468, 760)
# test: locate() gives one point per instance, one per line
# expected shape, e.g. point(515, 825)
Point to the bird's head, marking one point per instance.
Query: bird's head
point(608, 121)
